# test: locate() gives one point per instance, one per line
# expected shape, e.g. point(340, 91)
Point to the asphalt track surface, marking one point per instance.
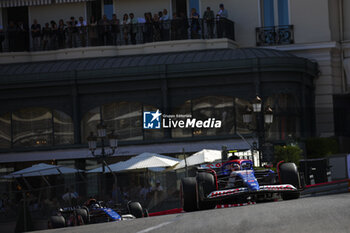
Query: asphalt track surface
point(327, 214)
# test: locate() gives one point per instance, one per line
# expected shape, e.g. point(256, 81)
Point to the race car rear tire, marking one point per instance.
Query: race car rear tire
point(84, 213)
point(57, 222)
point(206, 184)
point(289, 174)
point(135, 209)
point(189, 194)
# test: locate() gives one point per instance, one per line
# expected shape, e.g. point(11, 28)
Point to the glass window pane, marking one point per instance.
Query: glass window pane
point(125, 118)
point(5, 131)
point(184, 109)
point(89, 123)
point(108, 8)
point(151, 134)
point(63, 126)
point(269, 17)
point(220, 108)
point(32, 127)
point(241, 106)
point(283, 14)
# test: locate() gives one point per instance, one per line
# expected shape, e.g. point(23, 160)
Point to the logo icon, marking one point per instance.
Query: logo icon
point(151, 120)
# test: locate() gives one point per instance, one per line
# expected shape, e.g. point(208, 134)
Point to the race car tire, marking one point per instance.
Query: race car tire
point(145, 213)
point(84, 213)
point(188, 194)
point(135, 209)
point(206, 184)
point(289, 174)
point(88, 214)
point(57, 222)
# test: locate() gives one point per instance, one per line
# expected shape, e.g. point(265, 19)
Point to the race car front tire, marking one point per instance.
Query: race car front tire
point(57, 222)
point(206, 184)
point(289, 174)
point(189, 194)
point(135, 209)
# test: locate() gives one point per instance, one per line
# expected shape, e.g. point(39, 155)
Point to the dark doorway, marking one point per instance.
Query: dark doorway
point(94, 9)
point(18, 29)
point(17, 14)
point(179, 6)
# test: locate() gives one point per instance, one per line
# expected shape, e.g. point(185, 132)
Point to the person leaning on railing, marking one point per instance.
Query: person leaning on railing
point(221, 20)
point(208, 18)
point(133, 28)
point(115, 29)
point(82, 31)
point(104, 31)
point(93, 32)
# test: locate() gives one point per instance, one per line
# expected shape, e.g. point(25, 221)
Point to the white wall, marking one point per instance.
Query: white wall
point(139, 7)
point(346, 21)
point(311, 20)
point(44, 14)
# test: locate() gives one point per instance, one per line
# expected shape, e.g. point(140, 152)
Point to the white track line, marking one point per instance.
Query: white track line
point(155, 227)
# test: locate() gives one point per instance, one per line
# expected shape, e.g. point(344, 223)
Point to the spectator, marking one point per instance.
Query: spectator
point(157, 192)
point(184, 26)
point(54, 35)
point(72, 32)
point(36, 35)
point(70, 197)
point(221, 17)
point(165, 25)
point(195, 27)
point(61, 34)
point(12, 34)
point(208, 18)
point(126, 28)
point(148, 28)
point(145, 189)
point(93, 35)
point(23, 37)
point(46, 34)
point(81, 26)
point(115, 30)
point(175, 25)
point(156, 28)
point(104, 30)
point(2, 38)
point(133, 28)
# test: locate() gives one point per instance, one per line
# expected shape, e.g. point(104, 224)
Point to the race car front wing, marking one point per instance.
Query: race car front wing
point(244, 190)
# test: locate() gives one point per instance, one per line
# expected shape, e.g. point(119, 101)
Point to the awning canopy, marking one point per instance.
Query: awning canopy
point(16, 3)
point(142, 161)
point(42, 169)
point(203, 156)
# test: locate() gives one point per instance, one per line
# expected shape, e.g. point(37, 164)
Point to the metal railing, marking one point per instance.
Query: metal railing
point(275, 35)
point(12, 40)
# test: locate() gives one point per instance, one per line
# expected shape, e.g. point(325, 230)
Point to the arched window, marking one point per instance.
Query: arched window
point(35, 127)
point(125, 118)
point(218, 107)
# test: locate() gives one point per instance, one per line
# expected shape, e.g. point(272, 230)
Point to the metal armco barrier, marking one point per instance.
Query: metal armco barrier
point(328, 187)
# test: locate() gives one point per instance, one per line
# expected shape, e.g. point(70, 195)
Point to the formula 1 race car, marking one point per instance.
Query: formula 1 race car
point(95, 212)
point(236, 181)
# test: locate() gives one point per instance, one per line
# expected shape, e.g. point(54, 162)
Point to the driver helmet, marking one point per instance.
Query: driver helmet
point(246, 166)
point(235, 167)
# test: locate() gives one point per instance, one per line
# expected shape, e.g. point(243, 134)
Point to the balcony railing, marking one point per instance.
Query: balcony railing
point(276, 35)
point(16, 40)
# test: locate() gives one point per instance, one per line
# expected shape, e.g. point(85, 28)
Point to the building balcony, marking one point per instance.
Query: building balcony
point(276, 35)
point(110, 40)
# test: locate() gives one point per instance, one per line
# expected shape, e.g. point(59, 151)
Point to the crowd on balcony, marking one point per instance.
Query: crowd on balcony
point(128, 30)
